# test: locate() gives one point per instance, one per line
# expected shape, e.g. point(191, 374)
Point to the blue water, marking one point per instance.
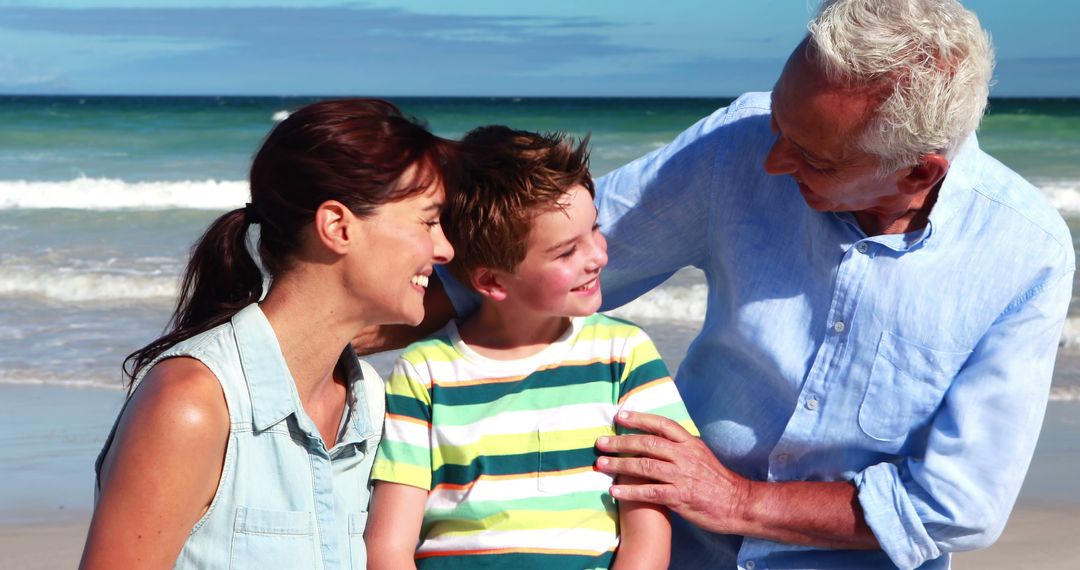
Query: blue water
point(101, 197)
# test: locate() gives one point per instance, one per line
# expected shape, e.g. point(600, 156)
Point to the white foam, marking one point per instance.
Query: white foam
point(1063, 194)
point(1065, 393)
point(113, 194)
point(667, 303)
point(78, 287)
point(280, 116)
point(63, 383)
point(1070, 334)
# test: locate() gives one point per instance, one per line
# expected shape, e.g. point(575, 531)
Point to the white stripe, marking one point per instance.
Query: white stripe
point(579, 416)
point(653, 397)
point(560, 539)
point(520, 488)
point(408, 432)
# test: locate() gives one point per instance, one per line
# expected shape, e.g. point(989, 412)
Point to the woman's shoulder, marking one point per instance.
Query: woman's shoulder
point(181, 392)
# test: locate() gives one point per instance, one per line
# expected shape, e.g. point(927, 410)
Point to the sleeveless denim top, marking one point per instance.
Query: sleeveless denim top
point(284, 500)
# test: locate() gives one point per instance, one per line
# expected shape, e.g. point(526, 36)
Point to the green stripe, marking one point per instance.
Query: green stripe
point(401, 452)
point(599, 501)
point(600, 392)
point(516, 464)
point(516, 561)
point(407, 406)
point(566, 375)
point(643, 374)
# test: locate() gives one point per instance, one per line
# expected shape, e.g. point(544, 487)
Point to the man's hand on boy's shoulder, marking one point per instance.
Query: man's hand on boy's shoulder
point(438, 310)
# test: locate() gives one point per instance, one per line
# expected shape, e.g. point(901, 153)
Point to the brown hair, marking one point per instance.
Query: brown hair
point(507, 178)
point(355, 151)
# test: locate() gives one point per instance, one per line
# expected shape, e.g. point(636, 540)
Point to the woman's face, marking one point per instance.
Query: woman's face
point(399, 246)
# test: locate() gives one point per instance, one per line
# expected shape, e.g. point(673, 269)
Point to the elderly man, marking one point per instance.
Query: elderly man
point(885, 303)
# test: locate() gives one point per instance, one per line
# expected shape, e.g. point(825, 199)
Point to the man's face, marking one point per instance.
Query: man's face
point(816, 126)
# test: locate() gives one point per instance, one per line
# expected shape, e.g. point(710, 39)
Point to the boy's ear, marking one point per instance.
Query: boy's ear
point(488, 282)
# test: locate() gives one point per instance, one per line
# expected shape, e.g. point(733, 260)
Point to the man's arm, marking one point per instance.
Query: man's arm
point(687, 478)
point(955, 497)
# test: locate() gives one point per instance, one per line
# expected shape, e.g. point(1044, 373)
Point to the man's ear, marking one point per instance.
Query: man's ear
point(335, 226)
point(488, 282)
point(925, 175)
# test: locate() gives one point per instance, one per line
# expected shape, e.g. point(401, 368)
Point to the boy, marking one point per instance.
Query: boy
point(491, 423)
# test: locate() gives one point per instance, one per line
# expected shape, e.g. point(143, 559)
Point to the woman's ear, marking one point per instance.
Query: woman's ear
point(488, 282)
point(335, 226)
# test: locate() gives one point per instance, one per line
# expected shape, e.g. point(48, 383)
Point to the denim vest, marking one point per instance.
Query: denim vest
point(284, 500)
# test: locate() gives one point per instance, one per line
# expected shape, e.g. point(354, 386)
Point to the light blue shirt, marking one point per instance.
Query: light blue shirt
point(284, 499)
point(916, 366)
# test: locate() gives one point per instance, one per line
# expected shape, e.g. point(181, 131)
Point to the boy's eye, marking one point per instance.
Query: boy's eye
point(568, 252)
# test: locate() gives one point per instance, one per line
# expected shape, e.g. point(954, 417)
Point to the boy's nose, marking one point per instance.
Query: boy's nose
point(598, 258)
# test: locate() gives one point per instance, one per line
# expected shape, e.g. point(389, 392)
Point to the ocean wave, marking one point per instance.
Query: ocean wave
point(1065, 393)
point(1064, 194)
point(63, 383)
point(113, 194)
point(667, 303)
point(78, 287)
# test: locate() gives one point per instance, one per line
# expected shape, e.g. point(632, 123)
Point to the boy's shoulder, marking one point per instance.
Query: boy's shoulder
point(439, 345)
point(599, 324)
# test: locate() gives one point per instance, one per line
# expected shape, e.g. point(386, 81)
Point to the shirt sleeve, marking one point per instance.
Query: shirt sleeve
point(646, 385)
point(404, 454)
point(958, 495)
point(655, 211)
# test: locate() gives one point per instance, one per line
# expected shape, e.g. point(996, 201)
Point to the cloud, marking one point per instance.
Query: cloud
point(320, 49)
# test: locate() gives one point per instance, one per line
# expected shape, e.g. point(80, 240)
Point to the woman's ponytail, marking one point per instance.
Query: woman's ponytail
point(221, 278)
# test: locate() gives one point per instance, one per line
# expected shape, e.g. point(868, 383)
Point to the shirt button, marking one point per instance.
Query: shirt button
point(863, 247)
point(839, 326)
point(811, 403)
point(783, 457)
point(750, 565)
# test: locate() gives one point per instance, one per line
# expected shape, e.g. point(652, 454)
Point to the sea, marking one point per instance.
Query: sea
point(102, 197)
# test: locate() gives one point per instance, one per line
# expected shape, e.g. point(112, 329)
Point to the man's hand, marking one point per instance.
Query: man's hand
point(688, 478)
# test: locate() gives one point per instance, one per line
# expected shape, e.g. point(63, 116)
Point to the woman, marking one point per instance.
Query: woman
point(251, 427)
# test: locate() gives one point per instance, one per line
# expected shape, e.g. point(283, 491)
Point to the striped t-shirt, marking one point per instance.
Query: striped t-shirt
point(506, 447)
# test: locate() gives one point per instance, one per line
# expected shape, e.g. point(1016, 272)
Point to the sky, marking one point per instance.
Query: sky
point(632, 48)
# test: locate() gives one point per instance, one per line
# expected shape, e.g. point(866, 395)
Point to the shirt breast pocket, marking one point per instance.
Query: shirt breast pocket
point(272, 539)
point(906, 385)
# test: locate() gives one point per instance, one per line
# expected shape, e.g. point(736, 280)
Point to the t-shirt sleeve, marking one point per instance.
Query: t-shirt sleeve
point(646, 385)
point(404, 454)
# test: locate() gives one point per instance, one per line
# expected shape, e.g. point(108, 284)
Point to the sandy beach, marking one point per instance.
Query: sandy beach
point(1036, 537)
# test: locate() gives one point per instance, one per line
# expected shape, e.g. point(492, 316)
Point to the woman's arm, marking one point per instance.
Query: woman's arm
point(393, 529)
point(162, 468)
point(644, 533)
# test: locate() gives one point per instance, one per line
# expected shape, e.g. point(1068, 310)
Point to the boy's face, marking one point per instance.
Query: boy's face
point(560, 275)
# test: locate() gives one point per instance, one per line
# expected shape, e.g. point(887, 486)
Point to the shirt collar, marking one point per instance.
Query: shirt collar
point(271, 386)
point(950, 200)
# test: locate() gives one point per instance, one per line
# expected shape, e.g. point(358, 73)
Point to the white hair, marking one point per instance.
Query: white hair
point(932, 54)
